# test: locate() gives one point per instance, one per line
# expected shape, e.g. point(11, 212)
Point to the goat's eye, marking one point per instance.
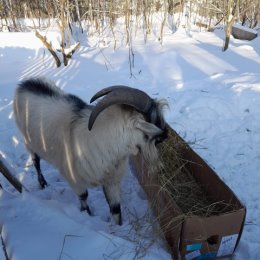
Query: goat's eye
point(158, 140)
point(146, 137)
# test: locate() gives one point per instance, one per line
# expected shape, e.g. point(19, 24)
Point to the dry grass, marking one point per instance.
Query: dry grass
point(178, 182)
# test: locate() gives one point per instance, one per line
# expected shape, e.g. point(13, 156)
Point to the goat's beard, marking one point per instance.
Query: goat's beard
point(151, 156)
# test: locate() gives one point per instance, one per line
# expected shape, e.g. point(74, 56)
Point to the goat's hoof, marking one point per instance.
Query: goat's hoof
point(86, 209)
point(43, 184)
point(118, 219)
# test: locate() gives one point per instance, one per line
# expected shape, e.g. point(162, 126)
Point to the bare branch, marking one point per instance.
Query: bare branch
point(49, 47)
point(5, 170)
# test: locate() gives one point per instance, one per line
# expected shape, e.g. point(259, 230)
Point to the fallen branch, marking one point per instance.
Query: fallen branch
point(4, 247)
point(5, 170)
point(49, 47)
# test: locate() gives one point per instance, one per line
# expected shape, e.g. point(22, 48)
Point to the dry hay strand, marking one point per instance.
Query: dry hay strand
point(176, 180)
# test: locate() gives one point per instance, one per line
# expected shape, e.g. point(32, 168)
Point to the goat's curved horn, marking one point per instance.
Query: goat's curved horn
point(116, 95)
point(107, 90)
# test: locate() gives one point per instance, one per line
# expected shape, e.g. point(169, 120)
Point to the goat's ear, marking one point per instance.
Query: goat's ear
point(149, 129)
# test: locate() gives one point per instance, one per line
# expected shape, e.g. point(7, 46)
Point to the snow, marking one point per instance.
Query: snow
point(39, 230)
point(214, 99)
point(239, 26)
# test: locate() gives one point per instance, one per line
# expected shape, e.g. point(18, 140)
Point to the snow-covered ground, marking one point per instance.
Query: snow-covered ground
point(214, 99)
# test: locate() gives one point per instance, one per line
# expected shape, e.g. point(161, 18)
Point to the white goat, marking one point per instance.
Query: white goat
point(89, 145)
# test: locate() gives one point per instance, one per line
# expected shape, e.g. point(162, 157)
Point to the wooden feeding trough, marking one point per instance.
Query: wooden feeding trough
point(199, 215)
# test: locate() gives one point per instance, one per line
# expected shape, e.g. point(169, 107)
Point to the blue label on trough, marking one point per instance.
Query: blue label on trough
point(207, 256)
point(194, 247)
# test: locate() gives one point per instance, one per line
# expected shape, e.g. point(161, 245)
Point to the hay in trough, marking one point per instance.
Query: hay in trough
point(179, 183)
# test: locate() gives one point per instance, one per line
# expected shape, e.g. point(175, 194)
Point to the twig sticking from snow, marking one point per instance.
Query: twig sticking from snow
point(252, 224)
point(63, 244)
point(4, 247)
point(106, 59)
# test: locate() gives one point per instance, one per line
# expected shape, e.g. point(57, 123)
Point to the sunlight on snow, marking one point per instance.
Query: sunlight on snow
point(205, 61)
point(4, 107)
point(242, 87)
point(10, 116)
point(247, 52)
point(15, 141)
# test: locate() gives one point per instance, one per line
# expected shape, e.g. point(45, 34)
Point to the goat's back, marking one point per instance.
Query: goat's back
point(44, 114)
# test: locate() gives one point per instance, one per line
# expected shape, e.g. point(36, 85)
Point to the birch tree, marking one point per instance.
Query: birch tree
point(232, 12)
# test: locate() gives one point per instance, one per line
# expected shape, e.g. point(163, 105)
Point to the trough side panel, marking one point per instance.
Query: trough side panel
point(166, 211)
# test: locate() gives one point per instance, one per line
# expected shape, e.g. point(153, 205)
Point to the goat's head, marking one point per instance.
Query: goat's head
point(151, 122)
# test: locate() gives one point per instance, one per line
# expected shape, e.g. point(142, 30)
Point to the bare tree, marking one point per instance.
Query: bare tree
point(137, 14)
point(232, 12)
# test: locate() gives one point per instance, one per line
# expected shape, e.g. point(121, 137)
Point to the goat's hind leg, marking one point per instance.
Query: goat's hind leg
point(36, 162)
point(83, 202)
point(112, 193)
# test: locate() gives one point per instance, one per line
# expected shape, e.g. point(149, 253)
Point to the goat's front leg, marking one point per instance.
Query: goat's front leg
point(36, 162)
point(83, 202)
point(112, 194)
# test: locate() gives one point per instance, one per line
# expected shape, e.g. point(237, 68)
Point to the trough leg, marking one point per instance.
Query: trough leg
point(36, 162)
point(112, 193)
point(83, 202)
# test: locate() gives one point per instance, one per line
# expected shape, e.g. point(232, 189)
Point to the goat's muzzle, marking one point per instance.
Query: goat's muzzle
point(160, 138)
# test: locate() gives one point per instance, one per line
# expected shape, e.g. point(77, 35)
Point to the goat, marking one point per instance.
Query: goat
point(89, 145)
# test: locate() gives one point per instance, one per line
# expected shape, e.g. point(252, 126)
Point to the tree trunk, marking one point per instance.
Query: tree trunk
point(226, 42)
point(228, 33)
point(78, 15)
point(231, 15)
